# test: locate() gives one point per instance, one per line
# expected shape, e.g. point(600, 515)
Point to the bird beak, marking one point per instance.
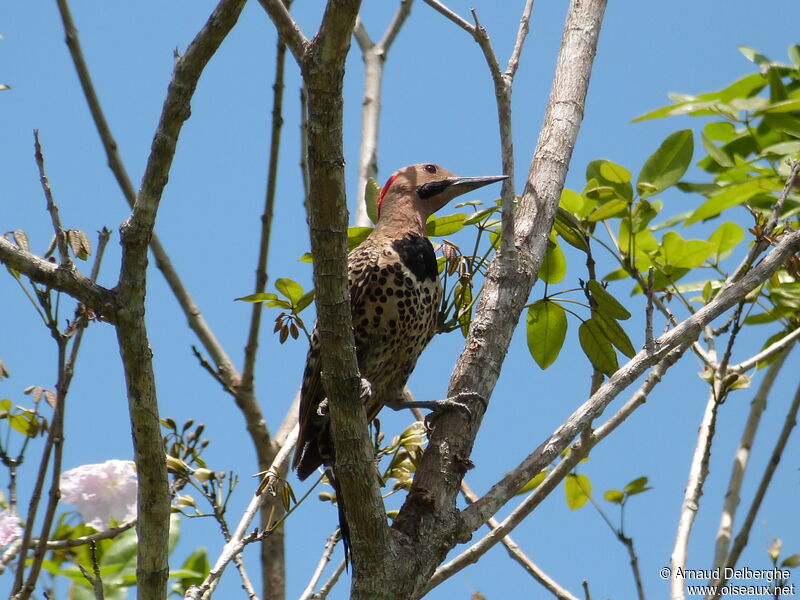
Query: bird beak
point(467, 184)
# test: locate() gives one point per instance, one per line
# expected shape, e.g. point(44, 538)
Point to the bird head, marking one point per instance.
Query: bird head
point(418, 191)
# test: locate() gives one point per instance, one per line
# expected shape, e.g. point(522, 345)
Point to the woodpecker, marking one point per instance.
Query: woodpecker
point(394, 296)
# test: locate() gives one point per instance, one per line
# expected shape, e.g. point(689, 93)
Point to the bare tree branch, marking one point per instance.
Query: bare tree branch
point(698, 472)
point(774, 348)
point(522, 33)
point(429, 511)
point(153, 498)
point(334, 578)
point(516, 553)
point(374, 56)
point(683, 334)
point(780, 444)
point(578, 450)
point(454, 17)
point(330, 544)
point(288, 30)
point(237, 541)
point(52, 208)
point(741, 460)
point(193, 314)
point(70, 281)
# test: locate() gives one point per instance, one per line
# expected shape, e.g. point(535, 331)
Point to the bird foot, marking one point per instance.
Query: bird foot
point(322, 407)
point(458, 402)
point(365, 393)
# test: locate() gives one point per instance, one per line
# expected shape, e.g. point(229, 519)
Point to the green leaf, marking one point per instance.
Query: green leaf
point(782, 148)
point(608, 180)
point(606, 303)
point(792, 562)
point(262, 297)
point(613, 208)
point(666, 165)
point(356, 235)
point(446, 225)
point(304, 301)
point(771, 340)
point(194, 570)
point(575, 203)
point(614, 496)
point(687, 254)
point(715, 152)
point(290, 289)
point(794, 54)
point(783, 106)
point(729, 196)
point(769, 316)
point(724, 239)
point(744, 87)
point(533, 483)
point(615, 173)
point(569, 228)
point(577, 489)
point(121, 555)
point(615, 334)
point(637, 486)
point(480, 215)
point(720, 131)
point(25, 423)
point(546, 329)
point(554, 265)
point(693, 107)
point(643, 213)
point(597, 347)
point(754, 56)
point(371, 192)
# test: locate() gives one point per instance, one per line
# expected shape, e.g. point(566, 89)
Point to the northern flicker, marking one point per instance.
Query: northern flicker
point(394, 295)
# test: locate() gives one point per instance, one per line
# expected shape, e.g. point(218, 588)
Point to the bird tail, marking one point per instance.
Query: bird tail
point(344, 529)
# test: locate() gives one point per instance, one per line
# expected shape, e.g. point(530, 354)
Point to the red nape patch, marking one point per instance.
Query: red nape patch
point(385, 189)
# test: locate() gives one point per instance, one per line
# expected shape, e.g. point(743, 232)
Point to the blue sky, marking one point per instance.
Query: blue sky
point(438, 105)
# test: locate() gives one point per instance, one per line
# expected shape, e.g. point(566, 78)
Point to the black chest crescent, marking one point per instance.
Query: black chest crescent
point(417, 255)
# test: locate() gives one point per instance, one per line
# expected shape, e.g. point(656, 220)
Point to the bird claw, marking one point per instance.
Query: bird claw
point(322, 408)
point(365, 392)
point(458, 402)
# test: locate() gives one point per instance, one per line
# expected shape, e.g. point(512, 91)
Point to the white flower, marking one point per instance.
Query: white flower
point(9, 526)
point(101, 492)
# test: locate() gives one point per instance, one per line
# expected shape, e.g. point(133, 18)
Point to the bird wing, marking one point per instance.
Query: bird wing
point(307, 456)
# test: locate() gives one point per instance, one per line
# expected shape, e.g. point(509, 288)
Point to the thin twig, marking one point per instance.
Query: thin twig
point(778, 346)
point(374, 56)
point(193, 314)
point(684, 334)
point(250, 352)
point(52, 208)
point(289, 31)
point(741, 460)
point(455, 18)
point(53, 447)
point(516, 553)
point(519, 41)
point(556, 475)
point(761, 242)
point(648, 313)
point(780, 444)
point(327, 552)
point(698, 472)
point(237, 541)
point(326, 589)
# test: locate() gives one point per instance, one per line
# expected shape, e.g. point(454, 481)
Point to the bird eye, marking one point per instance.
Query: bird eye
point(430, 168)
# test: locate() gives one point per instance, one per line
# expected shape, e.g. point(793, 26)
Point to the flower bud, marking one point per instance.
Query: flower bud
point(203, 475)
point(185, 500)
